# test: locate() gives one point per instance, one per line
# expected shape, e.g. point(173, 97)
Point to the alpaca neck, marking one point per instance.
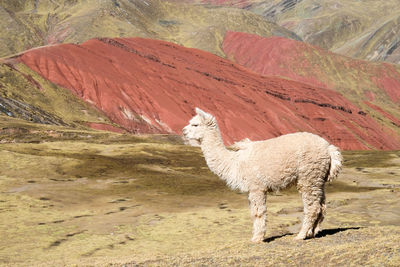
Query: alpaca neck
point(218, 158)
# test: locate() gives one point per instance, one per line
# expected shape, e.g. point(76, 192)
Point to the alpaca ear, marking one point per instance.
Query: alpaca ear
point(207, 117)
point(203, 114)
point(199, 111)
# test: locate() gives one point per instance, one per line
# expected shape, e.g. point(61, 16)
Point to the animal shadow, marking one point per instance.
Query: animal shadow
point(333, 231)
point(323, 233)
point(272, 238)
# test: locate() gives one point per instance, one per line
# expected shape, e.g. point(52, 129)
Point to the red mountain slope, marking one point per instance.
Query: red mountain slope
point(362, 82)
point(153, 86)
point(278, 56)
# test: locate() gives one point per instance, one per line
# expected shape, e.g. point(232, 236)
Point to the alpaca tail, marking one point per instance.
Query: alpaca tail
point(336, 162)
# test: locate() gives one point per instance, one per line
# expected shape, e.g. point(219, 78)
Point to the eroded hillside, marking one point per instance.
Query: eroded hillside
point(149, 86)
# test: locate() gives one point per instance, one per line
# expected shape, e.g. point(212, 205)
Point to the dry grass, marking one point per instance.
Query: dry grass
point(89, 198)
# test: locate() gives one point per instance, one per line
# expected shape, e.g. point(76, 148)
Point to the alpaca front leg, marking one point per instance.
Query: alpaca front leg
point(258, 210)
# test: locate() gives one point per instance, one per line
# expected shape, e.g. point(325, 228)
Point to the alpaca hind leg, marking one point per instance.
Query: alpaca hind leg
point(258, 210)
point(313, 213)
point(321, 216)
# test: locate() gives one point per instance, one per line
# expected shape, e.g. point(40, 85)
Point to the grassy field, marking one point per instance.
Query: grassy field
point(83, 197)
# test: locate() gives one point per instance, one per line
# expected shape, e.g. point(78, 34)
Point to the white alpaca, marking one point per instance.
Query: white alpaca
point(257, 167)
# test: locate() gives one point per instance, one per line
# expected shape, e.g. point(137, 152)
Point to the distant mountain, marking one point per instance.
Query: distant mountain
point(150, 86)
point(370, 27)
point(31, 23)
point(362, 29)
point(366, 29)
point(379, 43)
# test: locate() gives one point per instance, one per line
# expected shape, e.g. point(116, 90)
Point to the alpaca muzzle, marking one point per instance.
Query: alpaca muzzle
point(186, 140)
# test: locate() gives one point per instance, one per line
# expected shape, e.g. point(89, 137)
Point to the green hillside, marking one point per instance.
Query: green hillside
point(29, 24)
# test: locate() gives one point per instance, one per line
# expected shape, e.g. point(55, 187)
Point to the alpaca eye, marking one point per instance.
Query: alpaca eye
point(195, 125)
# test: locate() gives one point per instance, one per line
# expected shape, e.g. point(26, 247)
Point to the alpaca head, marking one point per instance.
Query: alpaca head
point(193, 133)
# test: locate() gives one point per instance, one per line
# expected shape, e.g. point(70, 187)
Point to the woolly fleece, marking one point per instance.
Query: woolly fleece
point(304, 159)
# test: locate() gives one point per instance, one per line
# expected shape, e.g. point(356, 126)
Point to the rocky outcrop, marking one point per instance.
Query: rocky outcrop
point(18, 109)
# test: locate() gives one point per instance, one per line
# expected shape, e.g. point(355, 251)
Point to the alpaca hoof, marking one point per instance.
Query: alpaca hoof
point(310, 233)
point(257, 239)
point(317, 230)
point(300, 237)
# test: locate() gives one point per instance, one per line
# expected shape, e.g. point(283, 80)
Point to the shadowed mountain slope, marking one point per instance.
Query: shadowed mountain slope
point(366, 84)
point(153, 86)
point(28, 24)
point(26, 95)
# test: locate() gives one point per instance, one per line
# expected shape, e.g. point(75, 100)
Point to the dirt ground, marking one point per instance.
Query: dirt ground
point(89, 198)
